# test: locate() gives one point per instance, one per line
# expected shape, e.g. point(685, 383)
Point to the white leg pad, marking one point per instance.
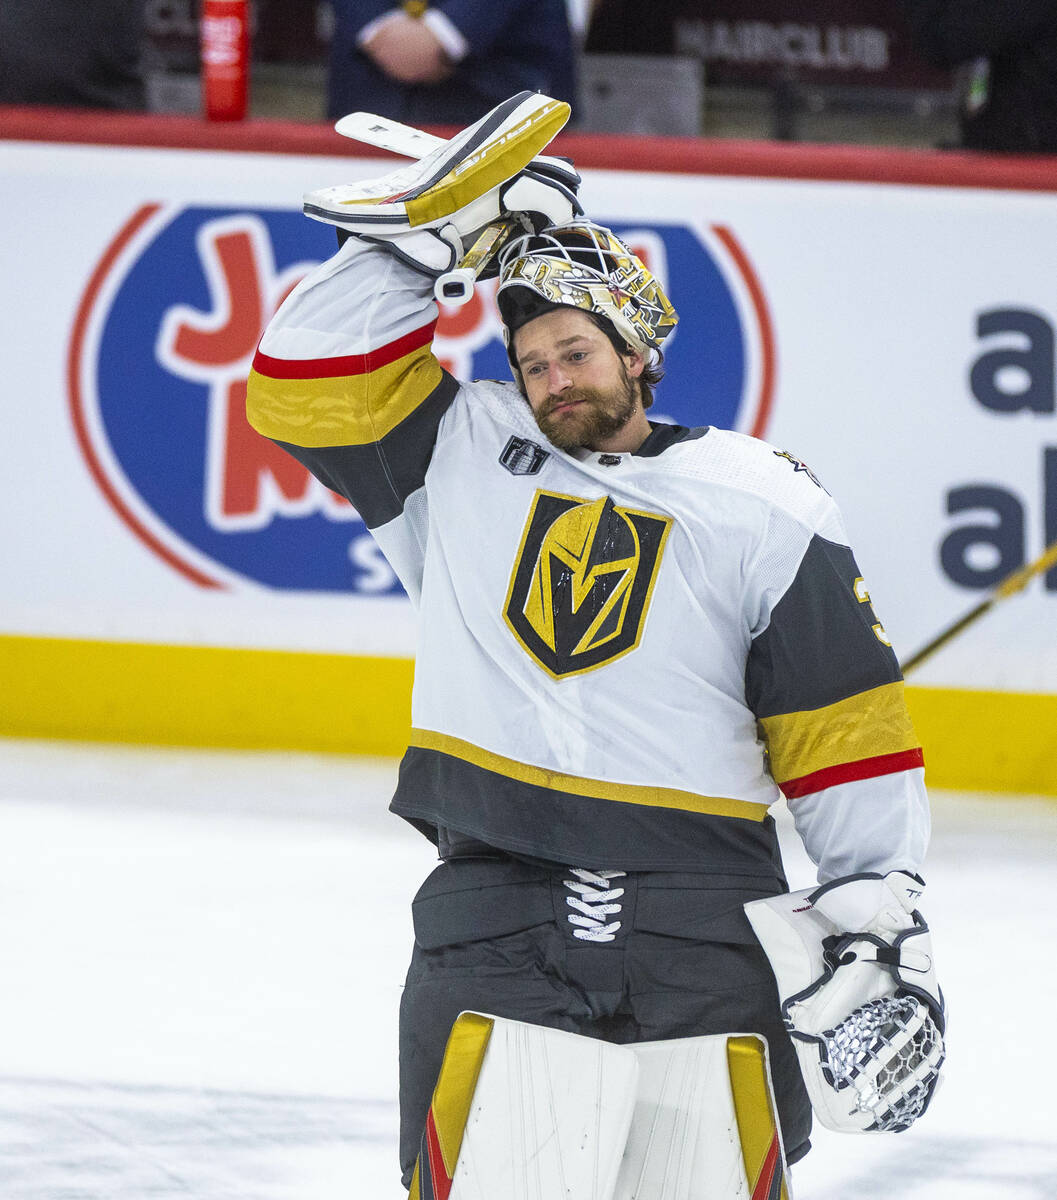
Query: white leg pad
point(705, 1125)
point(522, 1112)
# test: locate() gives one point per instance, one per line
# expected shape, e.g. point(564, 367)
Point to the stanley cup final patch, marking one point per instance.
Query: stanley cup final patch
point(582, 581)
point(522, 457)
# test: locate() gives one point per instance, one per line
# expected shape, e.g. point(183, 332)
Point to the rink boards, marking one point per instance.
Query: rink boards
point(170, 578)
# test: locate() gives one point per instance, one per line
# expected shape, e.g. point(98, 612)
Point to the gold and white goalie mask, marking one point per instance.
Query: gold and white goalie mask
point(583, 265)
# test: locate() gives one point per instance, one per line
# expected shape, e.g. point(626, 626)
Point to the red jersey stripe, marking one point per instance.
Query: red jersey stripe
point(345, 364)
point(865, 768)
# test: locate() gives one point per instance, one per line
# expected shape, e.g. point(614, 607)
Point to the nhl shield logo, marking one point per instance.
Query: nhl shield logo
point(582, 581)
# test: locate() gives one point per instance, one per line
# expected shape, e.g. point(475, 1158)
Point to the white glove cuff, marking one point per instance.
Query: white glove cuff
point(860, 902)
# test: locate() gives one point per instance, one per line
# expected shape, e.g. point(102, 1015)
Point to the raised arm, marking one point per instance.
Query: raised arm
point(344, 380)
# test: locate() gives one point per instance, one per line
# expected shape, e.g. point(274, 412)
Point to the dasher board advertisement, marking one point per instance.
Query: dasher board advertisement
point(898, 340)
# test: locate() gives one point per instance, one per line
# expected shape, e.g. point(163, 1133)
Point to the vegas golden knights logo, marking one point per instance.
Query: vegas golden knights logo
point(582, 581)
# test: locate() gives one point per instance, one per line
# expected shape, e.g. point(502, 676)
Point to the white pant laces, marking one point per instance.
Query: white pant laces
point(594, 904)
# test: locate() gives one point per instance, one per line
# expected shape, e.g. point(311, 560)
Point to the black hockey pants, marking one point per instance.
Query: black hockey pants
point(493, 936)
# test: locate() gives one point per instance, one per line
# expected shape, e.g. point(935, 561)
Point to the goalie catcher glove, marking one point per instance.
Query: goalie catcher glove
point(430, 212)
point(854, 966)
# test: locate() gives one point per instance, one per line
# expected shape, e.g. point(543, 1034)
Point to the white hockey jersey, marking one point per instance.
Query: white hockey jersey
point(624, 659)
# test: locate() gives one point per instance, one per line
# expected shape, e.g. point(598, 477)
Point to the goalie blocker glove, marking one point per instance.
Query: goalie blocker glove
point(429, 213)
point(854, 966)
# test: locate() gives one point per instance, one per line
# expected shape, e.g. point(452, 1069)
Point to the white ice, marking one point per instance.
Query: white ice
point(201, 957)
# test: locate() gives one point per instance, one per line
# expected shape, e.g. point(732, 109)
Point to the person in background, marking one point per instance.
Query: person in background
point(83, 54)
point(446, 63)
point(1008, 52)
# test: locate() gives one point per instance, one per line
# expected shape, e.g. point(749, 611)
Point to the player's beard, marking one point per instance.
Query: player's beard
point(598, 414)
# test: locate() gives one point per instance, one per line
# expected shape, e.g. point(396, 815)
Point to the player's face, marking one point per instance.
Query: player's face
point(581, 391)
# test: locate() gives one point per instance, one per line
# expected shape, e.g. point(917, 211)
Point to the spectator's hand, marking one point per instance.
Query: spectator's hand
point(407, 50)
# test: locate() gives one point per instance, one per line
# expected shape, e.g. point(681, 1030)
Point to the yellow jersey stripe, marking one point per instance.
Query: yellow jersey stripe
point(348, 410)
point(868, 725)
point(599, 789)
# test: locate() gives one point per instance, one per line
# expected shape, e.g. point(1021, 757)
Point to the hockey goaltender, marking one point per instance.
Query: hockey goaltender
point(634, 638)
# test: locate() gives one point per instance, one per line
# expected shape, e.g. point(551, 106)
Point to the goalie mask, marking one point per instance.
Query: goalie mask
point(583, 265)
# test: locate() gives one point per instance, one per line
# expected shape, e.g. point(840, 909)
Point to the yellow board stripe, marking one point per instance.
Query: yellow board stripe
point(868, 725)
point(987, 741)
point(204, 696)
point(463, 1058)
point(347, 410)
point(747, 1065)
point(600, 789)
point(358, 704)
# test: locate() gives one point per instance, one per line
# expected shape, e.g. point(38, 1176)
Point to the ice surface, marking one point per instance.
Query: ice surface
point(202, 956)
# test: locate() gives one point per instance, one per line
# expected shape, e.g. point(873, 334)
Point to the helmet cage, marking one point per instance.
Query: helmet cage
point(583, 265)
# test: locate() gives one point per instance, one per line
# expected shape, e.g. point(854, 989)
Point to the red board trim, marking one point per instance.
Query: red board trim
point(693, 156)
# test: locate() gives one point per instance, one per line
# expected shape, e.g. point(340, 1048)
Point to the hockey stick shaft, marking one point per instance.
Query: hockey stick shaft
point(1014, 582)
point(488, 243)
point(456, 286)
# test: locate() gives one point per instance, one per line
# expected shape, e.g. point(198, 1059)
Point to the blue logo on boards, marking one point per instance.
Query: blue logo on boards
point(162, 346)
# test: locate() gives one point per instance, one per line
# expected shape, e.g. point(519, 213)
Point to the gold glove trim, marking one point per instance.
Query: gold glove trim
point(495, 163)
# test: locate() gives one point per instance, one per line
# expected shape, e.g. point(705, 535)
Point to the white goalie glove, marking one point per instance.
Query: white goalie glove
point(432, 211)
point(857, 983)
